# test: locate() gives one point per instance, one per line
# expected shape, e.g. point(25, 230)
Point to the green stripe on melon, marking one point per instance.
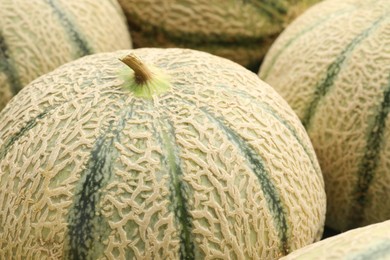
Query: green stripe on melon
point(257, 165)
point(299, 32)
point(179, 190)
point(187, 172)
point(264, 107)
point(75, 37)
point(87, 229)
point(28, 126)
point(37, 37)
point(336, 78)
point(322, 88)
point(369, 163)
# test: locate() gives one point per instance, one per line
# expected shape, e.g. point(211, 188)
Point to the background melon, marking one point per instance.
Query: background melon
point(38, 36)
point(332, 65)
point(239, 30)
point(203, 160)
point(370, 242)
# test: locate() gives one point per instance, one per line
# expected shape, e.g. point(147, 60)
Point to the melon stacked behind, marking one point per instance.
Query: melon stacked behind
point(38, 36)
point(332, 65)
point(371, 242)
point(239, 30)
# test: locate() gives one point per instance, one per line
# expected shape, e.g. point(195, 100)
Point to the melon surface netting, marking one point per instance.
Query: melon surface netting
point(369, 242)
point(332, 65)
point(214, 164)
point(239, 30)
point(38, 36)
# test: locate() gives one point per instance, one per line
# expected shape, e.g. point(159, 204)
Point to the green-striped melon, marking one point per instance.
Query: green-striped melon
point(332, 65)
point(239, 30)
point(203, 160)
point(38, 36)
point(371, 242)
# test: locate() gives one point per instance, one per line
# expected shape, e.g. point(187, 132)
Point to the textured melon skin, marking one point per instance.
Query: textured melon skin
point(332, 65)
point(238, 30)
point(89, 170)
point(38, 36)
point(369, 242)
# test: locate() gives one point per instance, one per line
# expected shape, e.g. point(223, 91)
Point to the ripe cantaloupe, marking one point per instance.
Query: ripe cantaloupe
point(239, 30)
point(190, 157)
point(332, 65)
point(38, 36)
point(371, 242)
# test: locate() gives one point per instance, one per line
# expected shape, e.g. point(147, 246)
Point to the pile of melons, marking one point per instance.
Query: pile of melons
point(145, 129)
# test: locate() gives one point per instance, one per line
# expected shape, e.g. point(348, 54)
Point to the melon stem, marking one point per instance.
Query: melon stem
point(142, 73)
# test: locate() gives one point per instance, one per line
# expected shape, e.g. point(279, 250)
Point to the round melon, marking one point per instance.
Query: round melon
point(332, 65)
point(239, 30)
point(371, 242)
point(185, 155)
point(38, 36)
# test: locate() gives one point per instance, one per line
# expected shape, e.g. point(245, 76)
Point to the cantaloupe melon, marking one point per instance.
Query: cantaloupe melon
point(198, 159)
point(239, 30)
point(332, 65)
point(366, 243)
point(38, 36)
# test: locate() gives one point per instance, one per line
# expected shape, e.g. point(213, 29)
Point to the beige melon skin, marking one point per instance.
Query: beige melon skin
point(370, 242)
point(238, 30)
point(229, 140)
point(334, 61)
point(38, 36)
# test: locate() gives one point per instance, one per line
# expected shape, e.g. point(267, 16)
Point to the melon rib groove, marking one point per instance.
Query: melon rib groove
point(270, 64)
point(179, 190)
point(333, 70)
point(83, 220)
point(370, 159)
point(256, 164)
point(28, 126)
point(82, 45)
point(273, 113)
